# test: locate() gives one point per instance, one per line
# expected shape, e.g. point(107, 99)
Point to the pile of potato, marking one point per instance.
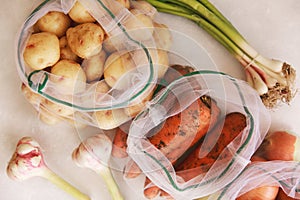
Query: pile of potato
point(79, 54)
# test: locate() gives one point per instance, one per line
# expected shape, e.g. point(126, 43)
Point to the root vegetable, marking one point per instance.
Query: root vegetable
point(162, 36)
point(120, 144)
point(125, 3)
point(139, 27)
point(32, 97)
point(110, 119)
point(283, 196)
point(144, 7)
point(114, 43)
point(65, 51)
point(193, 165)
point(85, 40)
point(260, 193)
point(116, 65)
point(150, 192)
point(281, 145)
point(263, 192)
point(182, 131)
point(68, 77)
point(28, 162)
point(159, 58)
point(94, 66)
point(54, 22)
point(176, 71)
point(79, 14)
point(94, 153)
point(58, 109)
point(42, 50)
point(48, 117)
point(137, 107)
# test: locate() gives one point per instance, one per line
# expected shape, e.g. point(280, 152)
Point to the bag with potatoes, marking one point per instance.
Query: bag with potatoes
point(91, 62)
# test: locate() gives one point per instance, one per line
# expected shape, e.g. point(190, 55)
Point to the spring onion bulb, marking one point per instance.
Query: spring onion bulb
point(273, 79)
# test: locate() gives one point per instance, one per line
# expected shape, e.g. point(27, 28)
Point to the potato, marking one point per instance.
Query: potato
point(42, 50)
point(79, 120)
point(94, 66)
point(139, 27)
point(159, 57)
point(79, 14)
point(54, 22)
point(69, 77)
point(162, 36)
point(48, 117)
point(144, 7)
point(85, 40)
point(135, 109)
point(116, 65)
point(32, 97)
point(66, 52)
point(95, 92)
point(110, 119)
point(57, 108)
point(63, 42)
point(125, 3)
point(114, 43)
point(102, 87)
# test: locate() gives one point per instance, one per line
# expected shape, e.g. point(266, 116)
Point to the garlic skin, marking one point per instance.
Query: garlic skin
point(27, 161)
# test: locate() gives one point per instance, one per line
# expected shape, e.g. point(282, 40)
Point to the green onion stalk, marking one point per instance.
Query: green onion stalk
point(274, 80)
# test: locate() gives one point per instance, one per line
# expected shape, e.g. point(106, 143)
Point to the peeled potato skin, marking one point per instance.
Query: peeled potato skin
point(85, 40)
point(42, 50)
point(54, 22)
point(79, 14)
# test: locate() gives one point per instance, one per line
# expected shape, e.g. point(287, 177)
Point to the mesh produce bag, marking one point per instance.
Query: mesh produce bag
point(230, 95)
point(124, 34)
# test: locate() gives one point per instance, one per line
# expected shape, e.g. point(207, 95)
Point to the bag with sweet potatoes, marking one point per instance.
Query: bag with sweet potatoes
point(196, 139)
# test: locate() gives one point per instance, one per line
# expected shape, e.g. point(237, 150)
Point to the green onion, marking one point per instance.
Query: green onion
point(273, 79)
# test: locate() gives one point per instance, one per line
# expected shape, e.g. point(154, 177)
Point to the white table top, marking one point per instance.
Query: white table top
point(272, 27)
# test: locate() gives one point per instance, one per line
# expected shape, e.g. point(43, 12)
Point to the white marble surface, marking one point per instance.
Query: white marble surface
point(272, 27)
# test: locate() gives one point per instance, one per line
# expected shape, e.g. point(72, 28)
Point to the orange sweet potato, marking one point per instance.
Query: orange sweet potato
point(182, 131)
point(119, 144)
point(234, 123)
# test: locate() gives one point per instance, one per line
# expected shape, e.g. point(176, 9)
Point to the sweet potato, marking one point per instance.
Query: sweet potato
point(119, 144)
point(152, 191)
point(185, 129)
point(193, 165)
point(182, 131)
point(176, 71)
point(283, 196)
point(234, 123)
